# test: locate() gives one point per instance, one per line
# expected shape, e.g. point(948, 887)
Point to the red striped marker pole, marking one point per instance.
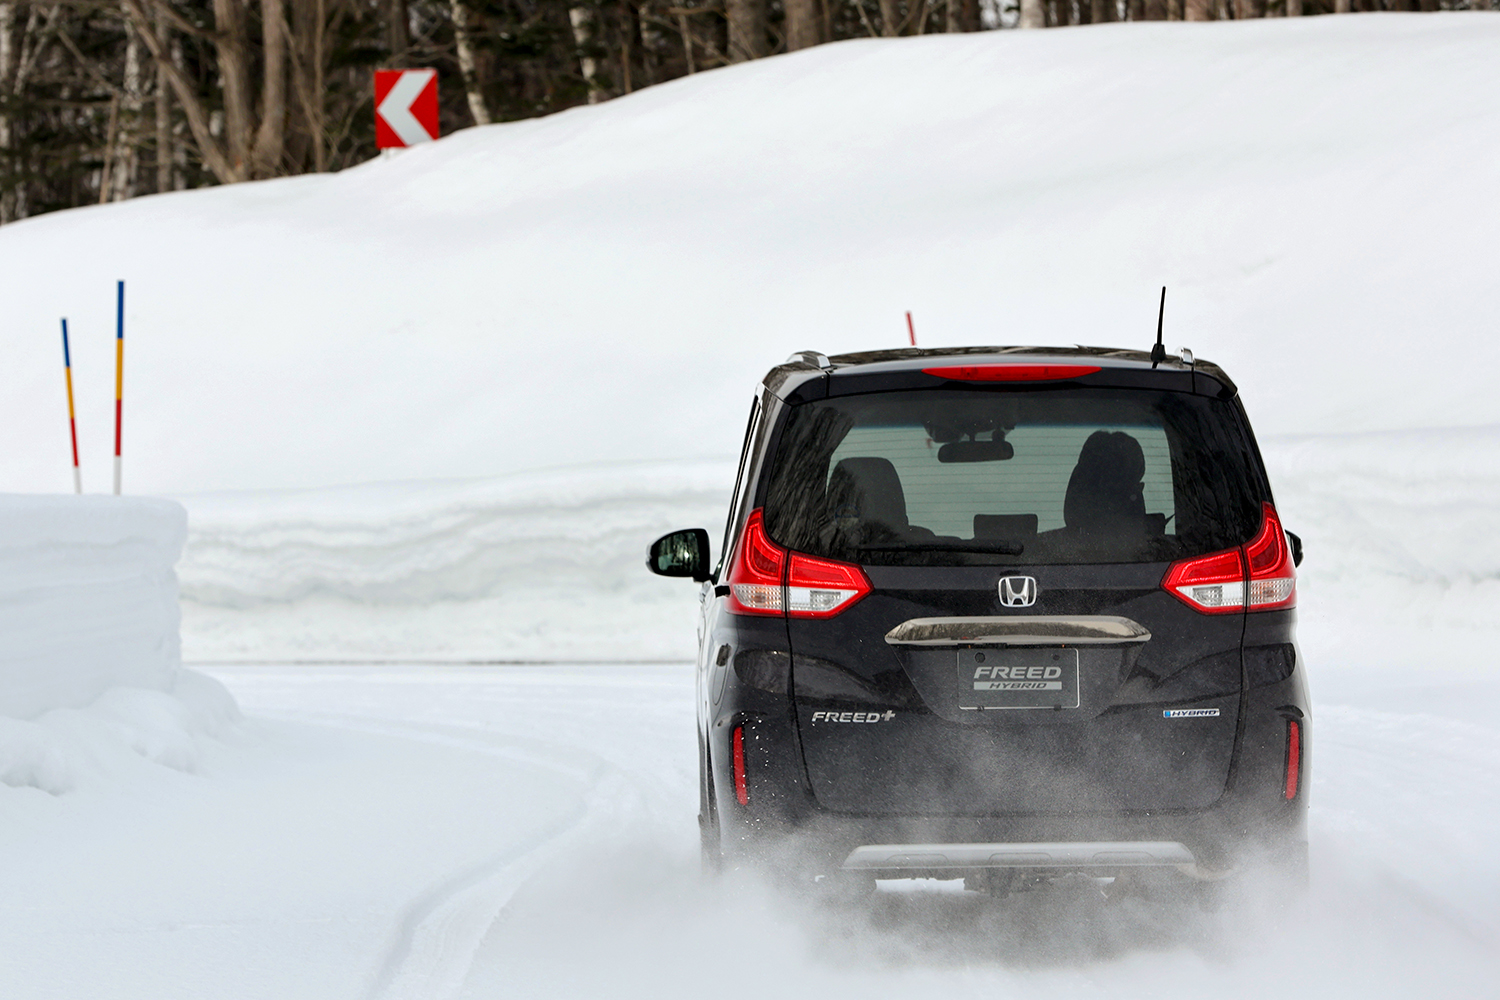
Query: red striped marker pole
point(119, 376)
point(911, 330)
point(72, 421)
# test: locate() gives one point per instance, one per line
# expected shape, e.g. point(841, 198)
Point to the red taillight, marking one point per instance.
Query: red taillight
point(1273, 580)
point(755, 576)
point(1213, 584)
point(1216, 583)
point(765, 579)
point(741, 783)
point(1293, 757)
point(1010, 373)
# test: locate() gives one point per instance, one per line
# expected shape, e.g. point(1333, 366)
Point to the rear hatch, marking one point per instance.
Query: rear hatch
point(1015, 650)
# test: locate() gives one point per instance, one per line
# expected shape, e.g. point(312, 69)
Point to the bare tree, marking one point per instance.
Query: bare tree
point(747, 29)
point(1033, 14)
point(468, 66)
point(802, 24)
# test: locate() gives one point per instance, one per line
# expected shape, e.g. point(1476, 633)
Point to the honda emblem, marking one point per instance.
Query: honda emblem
point(1017, 591)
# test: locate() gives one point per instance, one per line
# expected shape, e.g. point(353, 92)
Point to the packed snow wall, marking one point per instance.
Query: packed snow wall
point(88, 598)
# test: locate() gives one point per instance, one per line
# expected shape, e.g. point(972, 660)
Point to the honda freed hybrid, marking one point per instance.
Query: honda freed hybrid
point(1000, 613)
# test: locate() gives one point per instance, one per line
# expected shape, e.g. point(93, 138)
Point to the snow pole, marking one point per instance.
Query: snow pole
point(72, 421)
point(119, 373)
point(911, 330)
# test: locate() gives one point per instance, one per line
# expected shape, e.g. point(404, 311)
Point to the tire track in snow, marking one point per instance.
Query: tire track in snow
point(440, 931)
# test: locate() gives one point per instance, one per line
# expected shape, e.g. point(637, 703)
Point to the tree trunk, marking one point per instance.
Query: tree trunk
point(163, 121)
point(1104, 11)
point(1341, 6)
point(1199, 10)
point(889, 18)
point(270, 138)
point(468, 66)
point(7, 76)
point(582, 20)
point(1156, 10)
point(126, 161)
point(802, 24)
point(233, 48)
point(1246, 9)
point(1033, 14)
point(397, 31)
point(747, 28)
point(309, 26)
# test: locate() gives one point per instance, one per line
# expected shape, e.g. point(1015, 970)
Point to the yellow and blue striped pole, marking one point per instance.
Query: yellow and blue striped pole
point(72, 421)
point(119, 375)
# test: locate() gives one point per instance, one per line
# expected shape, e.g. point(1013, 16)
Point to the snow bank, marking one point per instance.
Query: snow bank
point(547, 565)
point(606, 284)
point(91, 679)
point(88, 598)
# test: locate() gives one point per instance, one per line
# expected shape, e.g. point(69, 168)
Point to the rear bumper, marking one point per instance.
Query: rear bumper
point(1103, 856)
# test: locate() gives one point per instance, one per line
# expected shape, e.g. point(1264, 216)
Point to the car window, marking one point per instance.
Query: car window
point(1069, 475)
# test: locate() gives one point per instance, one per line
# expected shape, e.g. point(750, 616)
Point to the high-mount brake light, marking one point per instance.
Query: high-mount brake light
point(1010, 373)
point(1221, 582)
point(765, 579)
point(1293, 758)
point(741, 779)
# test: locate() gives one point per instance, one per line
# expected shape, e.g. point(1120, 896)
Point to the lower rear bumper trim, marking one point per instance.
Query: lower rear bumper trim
point(1075, 854)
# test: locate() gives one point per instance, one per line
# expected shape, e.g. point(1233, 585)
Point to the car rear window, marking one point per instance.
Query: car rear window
point(1055, 475)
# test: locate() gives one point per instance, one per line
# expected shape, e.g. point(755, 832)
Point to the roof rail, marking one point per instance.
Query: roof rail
point(814, 358)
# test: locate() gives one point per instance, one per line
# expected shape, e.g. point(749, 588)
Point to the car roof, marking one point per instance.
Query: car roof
point(903, 367)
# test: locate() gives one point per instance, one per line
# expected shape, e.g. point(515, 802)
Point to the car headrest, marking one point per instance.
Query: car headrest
point(870, 490)
point(1106, 483)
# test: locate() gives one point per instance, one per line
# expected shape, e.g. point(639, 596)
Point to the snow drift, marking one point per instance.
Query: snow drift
point(607, 283)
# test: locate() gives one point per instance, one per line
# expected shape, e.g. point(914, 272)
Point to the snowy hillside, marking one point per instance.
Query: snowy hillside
point(607, 283)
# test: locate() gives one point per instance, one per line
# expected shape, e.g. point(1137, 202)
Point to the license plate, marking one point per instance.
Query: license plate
point(1017, 678)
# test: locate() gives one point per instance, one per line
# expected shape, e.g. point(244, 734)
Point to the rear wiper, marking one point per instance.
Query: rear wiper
point(989, 548)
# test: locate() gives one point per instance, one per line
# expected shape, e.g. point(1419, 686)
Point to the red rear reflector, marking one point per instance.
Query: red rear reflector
point(1293, 757)
point(741, 783)
point(1010, 373)
point(1216, 583)
point(812, 588)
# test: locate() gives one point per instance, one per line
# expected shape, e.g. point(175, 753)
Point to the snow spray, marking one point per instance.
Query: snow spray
point(119, 374)
point(72, 421)
point(911, 331)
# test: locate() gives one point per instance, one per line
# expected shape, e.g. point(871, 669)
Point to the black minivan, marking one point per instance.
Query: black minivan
point(1006, 613)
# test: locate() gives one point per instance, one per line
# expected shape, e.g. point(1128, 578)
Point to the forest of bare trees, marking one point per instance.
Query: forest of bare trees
point(103, 100)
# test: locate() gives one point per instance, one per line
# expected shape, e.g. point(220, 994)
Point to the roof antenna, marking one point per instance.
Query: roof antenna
point(1159, 353)
point(911, 330)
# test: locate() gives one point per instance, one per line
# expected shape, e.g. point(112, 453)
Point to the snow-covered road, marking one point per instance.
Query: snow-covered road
point(584, 857)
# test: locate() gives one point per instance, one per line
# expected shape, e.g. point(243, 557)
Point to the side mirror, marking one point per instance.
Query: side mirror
point(1296, 543)
point(682, 553)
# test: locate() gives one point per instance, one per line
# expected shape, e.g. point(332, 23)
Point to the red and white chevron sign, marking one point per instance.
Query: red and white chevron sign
point(406, 107)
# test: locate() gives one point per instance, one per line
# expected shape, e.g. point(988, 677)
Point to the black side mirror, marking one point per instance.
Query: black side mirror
point(682, 553)
point(1296, 543)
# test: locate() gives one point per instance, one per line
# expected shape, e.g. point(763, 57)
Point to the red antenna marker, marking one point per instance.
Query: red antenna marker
point(72, 422)
point(911, 330)
point(119, 375)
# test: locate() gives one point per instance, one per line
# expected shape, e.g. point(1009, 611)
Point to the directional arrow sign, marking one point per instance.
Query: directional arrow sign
point(406, 107)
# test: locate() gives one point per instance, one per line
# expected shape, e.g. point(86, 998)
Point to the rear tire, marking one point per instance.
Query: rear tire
point(710, 838)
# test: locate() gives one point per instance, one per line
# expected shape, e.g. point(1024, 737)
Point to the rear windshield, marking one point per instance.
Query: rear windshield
point(1057, 475)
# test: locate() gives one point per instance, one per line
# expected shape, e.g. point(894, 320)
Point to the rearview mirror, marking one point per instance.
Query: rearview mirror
point(1296, 543)
point(682, 553)
point(976, 451)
